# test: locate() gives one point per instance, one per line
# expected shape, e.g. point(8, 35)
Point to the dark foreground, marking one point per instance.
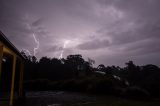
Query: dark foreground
point(46, 98)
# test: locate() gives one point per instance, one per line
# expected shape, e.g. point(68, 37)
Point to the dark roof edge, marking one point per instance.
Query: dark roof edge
point(10, 45)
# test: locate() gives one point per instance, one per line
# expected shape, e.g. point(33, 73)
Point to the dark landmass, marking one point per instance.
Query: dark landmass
point(61, 98)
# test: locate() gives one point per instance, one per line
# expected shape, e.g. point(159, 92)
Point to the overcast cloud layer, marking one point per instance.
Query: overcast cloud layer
point(109, 31)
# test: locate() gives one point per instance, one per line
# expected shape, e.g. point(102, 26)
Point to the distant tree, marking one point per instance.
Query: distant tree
point(74, 66)
point(33, 59)
point(131, 66)
point(75, 63)
point(75, 60)
point(45, 60)
point(150, 79)
point(91, 61)
point(101, 67)
point(132, 72)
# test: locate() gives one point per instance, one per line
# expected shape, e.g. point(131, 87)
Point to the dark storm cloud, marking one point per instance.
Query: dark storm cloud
point(141, 24)
point(109, 31)
point(145, 47)
point(19, 26)
point(12, 24)
point(94, 44)
point(37, 22)
point(54, 48)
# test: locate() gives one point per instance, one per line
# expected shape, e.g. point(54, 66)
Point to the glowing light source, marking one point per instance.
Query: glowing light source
point(37, 42)
point(64, 46)
point(26, 51)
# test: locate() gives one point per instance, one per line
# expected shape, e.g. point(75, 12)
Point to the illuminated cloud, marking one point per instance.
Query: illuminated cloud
point(108, 31)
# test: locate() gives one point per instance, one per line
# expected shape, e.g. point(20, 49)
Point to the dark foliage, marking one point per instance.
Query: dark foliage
point(76, 74)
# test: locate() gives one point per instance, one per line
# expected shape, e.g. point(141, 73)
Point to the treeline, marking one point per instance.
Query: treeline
point(76, 74)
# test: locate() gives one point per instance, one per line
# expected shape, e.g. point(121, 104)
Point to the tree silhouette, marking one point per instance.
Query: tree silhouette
point(78, 71)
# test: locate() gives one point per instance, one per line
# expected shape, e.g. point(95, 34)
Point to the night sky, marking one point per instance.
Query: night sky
point(111, 32)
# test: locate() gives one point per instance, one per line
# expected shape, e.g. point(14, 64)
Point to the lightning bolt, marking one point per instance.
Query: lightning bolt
point(37, 42)
point(26, 51)
point(35, 39)
point(64, 46)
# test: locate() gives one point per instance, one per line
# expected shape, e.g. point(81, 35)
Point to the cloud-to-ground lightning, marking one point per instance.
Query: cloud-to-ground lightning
point(37, 42)
point(64, 46)
point(26, 51)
